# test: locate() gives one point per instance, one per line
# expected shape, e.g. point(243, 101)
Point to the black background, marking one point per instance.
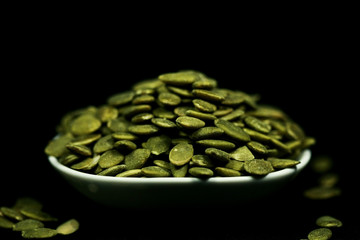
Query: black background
point(50, 71)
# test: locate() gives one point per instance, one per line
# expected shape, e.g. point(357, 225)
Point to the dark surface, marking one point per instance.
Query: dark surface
point(310, 83)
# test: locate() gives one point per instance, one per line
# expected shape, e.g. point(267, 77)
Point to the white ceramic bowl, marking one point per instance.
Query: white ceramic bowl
point(188, 191)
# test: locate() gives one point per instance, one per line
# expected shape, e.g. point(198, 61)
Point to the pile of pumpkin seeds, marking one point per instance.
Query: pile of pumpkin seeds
point(179, 124)
point(27, 217)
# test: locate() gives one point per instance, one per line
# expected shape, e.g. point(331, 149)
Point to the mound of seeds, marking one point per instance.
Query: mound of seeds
point(28, 218)
point(179, 125)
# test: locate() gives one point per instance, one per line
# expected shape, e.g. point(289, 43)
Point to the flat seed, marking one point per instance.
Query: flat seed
point(320, 234)
point(5, 223)
point(233, 115)
point(258, 167)
point(328, 221)
point(200, 115)
point(190, 122)
point(130, 173)
point(214, 143)
point(257, 147)
point(281, 163)
point(143, 99)
point(257, 124)
point(231, 130)
point(158, 144)
point(179, 78)
point(104, 144)
point(27, 202)
point(57, 146)
point(79, 149)
point(68, 227)
point(281, 146)
point(155, 171)
point(124, 136)
point(85, 124)
point(12, 213)
point(179, 171)
point(125, 145)
point(201, 172)
point(137, 158)
point(328, 180)
point(205, 83)
point(86, 139)
point(208, 95)
point(87, 164)
point(242, 154)
point(112, 171)
point(257, 136)
point(227, 172)
point(163, 123)
point(118, 125)
point(131, 110)
point(145, 129)
point(141, 117)
point(204, 106)
point(200, 160)
point(27, 224)
point(39, 233)
point(110, 158)
point(37, 214)
point(69, 159)
point(106, 113)
point(162, 163)
point(207, 132)
point(169, 99)
point(318, 193)
point(163, 113)
point(181, 154)
point(236, 165)
point(181, 91)
point(121, 98)
point(218, 154)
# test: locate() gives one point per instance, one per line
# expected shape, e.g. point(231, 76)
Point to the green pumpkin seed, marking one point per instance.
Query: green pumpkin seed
point(39, 233)
point(179, 171)
point(207, 133)
point(190, 122)
point(320, 234)
point(155, 171)
point(112, 171)
point(169, 99)
point(179, 78)
point(218, 154)
point(85, 124)
point(257, 124)
point(202, 161)
point(258, 167)
point(124, 136)
point(121, 98)
point(227, 172)
point(200, 115)
point(37, 214)
point(106, 113)
point(79, 149)
point(204, 106)
point(281, 163)
point(57, 147)
point(125, 145)
point(163, 123)
point(145, 129)
point(27, 224)
point(181, 154)
point(158, 144)
point(141, 117)
point(68, 227)
point(328, 221)
point(87, 164)
point(104, 144)
point(5, 223)
point(242, 154)
point(232, 131)
point(130, 173)
point(137, 158)
point(201, 172)
point(257, 147)
point(110, 158)
point(321, 192)
point(11, 213)
point(236, 165)
point(215, 143)
point(208, 95)
point(143, 99)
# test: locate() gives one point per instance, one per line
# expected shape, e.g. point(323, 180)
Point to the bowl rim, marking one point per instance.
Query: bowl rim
point(304, 159)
